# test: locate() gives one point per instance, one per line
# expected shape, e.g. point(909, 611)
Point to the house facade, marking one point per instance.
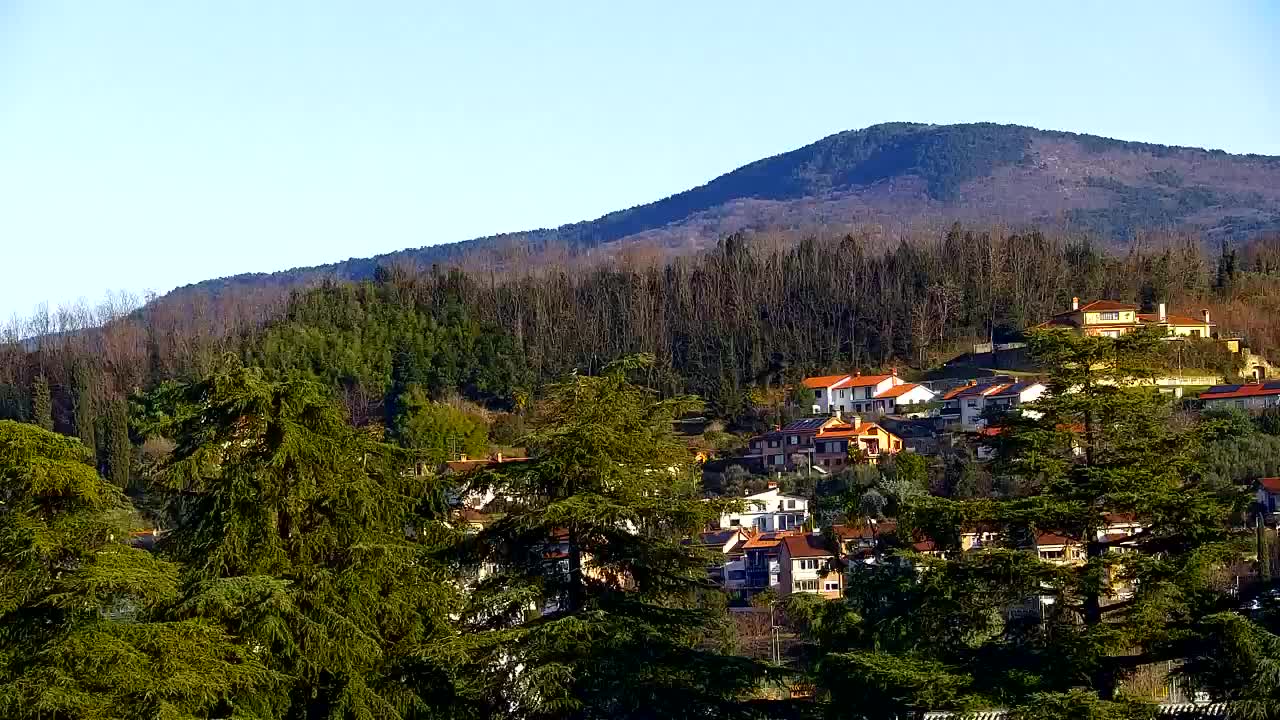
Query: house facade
point(807, 565)
point(1250, 396)
point(1109, 318)
point(762, 558)
point(769, 511)
point(773, 450)
point(729, 568)
point(965, 406)
point(832, 446)
point(865, 394)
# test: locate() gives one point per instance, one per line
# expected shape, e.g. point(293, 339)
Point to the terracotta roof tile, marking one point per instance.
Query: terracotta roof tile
point(862, 381)
point(1221, 392)
point(824, 381)
point(1271, 484)
point(1104, 305)
point(806, 546)
point(897, 391)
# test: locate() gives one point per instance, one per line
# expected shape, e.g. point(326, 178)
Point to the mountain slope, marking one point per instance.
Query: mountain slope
point(899, 173)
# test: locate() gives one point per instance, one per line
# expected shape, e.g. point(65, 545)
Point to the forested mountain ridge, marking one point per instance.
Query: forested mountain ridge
point(899, 174)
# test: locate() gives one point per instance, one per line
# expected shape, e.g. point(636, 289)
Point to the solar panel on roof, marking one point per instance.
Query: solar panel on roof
point(1222, 389)
point(1273, 385)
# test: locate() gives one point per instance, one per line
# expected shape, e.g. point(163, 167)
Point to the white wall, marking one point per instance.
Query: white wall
point(768, 511)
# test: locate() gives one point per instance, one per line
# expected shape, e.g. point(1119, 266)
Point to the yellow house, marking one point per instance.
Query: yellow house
point(1109, 318)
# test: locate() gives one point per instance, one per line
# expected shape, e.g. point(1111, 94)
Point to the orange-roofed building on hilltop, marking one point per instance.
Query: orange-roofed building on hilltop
point(763, 566)
point(1109, 318)
point(865, 394)
point(809, 566)
point(1249, 396)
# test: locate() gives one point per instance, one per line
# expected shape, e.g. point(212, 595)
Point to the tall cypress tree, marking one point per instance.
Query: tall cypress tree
point(78, 631)
point(84, 411)
point(595, 608)
point(117, 445)
point(41, 403)
point(291, 528)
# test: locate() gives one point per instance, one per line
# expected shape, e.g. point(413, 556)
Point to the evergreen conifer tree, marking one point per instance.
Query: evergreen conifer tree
point(294, 530)
point(41, 403)
point(117, 445)
point(78, 633)
point(595, 608)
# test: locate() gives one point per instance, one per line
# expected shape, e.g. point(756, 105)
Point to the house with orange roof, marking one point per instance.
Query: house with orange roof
point(865, 394)
point(808, 565)
point(1110, 318)
point(832, 446)
point(763, 551)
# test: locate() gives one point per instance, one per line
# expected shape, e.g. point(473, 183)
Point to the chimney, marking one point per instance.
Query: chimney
point(772, 485)
point(1162, 315)
point(858, 373)
point(462, 458)
point(837, 412)
point(893, 371)
point(1075, 303)
point(1205, 314)
point(855, 421)
point(498, 457)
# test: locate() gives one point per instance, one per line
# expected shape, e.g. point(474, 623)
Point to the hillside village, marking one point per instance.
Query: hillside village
point(787, 542)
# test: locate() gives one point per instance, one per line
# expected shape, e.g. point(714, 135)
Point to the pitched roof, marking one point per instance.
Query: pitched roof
point(1219, 392)
point(865, 532)
point(768, 539)
point(1271, 484)
point(976, 390)
point(806, 546)
point(848, 431)
point(717, 537)
point(862, 381)
point(823, 381)
point(1053, 539)
point(461, 466)
point(1104, 305)
point(1016, 388)
point(806, 425)
point(898, 390)
point(1173, 319)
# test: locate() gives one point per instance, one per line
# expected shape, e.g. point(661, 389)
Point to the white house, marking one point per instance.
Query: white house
point(769, 511)
point(864, 394)
point(966, 405)
point(730, 568)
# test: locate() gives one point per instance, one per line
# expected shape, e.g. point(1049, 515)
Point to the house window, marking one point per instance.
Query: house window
point(793, 439)
point(737, 574)
point(866, 395)
point(806, 585)
point(808, 563)
point(761, 523)
point(778, 460)
point(842, 395)
point(817, 394)
point(1109, 316)
point(972, 403)
point(735, 522)
point(1195, 333)
point(773, 443)
point(791, 504)
point(829, 585)
point(1053, 554)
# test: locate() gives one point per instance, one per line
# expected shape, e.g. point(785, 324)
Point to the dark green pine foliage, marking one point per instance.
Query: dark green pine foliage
point(999, 627)
point(294, 531)
point(41, 403)
point(594, 607)
point(84, 412)
point(118, 448)
point(78, 634)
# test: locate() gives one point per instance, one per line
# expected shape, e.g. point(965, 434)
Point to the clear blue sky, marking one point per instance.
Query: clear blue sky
point(145, 145)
